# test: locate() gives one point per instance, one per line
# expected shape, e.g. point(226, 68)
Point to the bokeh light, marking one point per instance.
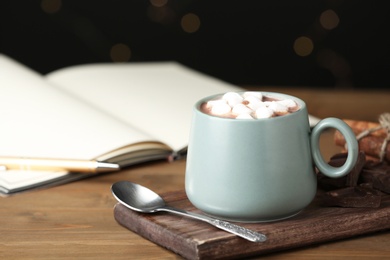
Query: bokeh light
point(158, 3)
point(303, 46)
point(161, 14)
point(190, 23)
point(120, 53)
point(51, 6)
point(329, 19)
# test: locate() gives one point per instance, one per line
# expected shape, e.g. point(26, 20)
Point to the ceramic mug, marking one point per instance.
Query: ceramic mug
point(258, 170)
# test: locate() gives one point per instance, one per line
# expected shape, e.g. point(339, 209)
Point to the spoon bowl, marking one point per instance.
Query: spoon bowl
point(137, 197)
point(142, 199)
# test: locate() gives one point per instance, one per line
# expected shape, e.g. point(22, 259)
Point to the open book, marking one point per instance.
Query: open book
point(125, 113)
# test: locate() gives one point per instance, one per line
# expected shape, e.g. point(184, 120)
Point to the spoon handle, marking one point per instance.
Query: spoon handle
point(224, 225)
point(239, 231)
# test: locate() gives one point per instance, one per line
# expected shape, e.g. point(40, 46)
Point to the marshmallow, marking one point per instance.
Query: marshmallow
point(278, 108)
point(211, 103)
point(244, 116)
point(219, 107)
point(268, 103)
point(253, 102)
point(241, 109)
point(264, 112)
point(232, 98)
point(288, 103)
point(253, 94)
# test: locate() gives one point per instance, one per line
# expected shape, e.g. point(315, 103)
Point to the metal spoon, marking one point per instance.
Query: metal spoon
point(142, 199)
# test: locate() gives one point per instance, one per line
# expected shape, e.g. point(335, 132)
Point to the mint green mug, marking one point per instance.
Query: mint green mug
point(258, 170)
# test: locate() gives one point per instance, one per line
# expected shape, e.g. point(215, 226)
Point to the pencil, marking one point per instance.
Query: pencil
point(40, 164)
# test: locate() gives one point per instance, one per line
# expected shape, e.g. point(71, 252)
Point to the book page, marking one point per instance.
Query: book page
point(157, 97)
point(38, 120)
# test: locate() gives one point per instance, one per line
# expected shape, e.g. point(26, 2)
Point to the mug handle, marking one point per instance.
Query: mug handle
point(352, 144)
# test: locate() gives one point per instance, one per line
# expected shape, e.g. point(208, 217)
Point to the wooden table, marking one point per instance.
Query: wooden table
point(76, 220)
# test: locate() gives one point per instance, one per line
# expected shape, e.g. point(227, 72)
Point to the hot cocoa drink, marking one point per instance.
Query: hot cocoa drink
point(266, 163)
point(248, 105)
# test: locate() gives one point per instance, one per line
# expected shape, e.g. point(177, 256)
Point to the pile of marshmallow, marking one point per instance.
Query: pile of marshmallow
point(249, 105)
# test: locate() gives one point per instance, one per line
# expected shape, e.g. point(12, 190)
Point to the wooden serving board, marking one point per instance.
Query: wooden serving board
point(194, 239)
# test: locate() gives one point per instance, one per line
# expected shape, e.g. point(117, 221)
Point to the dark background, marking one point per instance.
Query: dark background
point(242, 42)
